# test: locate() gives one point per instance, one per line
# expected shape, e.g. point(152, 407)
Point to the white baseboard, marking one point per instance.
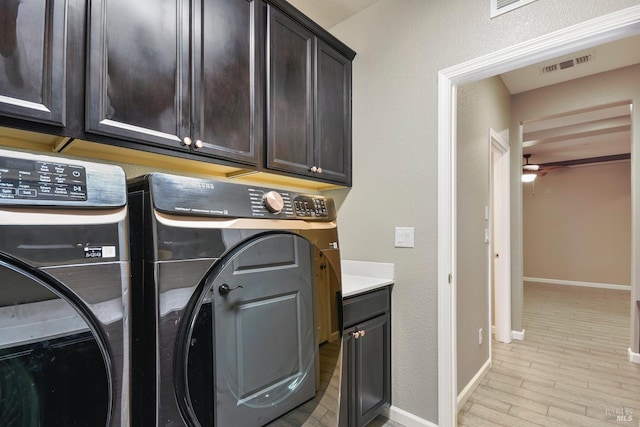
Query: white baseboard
point(578, 283)
point(407, 419)
point(517, 335)
point(473, 384)
point(634, 357)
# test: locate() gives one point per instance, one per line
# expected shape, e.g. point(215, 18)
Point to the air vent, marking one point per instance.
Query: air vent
point(498, 7)
point(567, 63)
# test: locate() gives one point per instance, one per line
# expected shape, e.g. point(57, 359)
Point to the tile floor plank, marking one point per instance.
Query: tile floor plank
point(573, 361)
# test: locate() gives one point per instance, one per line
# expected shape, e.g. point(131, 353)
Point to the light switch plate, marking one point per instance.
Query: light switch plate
point(404, 237)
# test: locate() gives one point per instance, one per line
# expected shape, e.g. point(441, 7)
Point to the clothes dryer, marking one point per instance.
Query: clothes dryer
point(241, 293)
point(64, 283)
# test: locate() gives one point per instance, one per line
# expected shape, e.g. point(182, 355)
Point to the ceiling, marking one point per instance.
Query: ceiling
point(328, 13)
point(592, 134)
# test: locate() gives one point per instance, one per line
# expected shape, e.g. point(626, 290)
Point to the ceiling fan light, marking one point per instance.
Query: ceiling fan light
point(528, 177)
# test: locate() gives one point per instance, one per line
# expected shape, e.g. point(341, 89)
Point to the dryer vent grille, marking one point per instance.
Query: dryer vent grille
point(498, 7)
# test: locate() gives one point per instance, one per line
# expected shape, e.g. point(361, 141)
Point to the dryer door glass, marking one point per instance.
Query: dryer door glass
point(257, 328)
point(52, 368)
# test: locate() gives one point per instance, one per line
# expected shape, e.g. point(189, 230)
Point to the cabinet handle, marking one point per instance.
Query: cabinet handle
point(355, 334)
point(186, 141)
point(199, 143)
point(319, 170)
point(314, 169)
point(362, 332)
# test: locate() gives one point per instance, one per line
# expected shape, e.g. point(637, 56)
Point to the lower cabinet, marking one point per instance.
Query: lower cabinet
point(367, 356)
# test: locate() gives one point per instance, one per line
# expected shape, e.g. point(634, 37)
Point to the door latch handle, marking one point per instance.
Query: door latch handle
point(224, 289)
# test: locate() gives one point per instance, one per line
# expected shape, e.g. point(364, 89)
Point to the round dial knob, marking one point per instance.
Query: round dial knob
point(273, 201)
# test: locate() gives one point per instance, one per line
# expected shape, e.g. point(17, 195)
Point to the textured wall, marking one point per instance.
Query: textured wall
point(481, 105)
point(401, 46)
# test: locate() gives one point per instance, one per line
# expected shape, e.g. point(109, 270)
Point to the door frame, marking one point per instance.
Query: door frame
point(500, 237)
point(607, 28)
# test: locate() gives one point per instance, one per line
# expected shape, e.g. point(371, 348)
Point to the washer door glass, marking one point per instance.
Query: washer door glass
point(53, 371)
point(255, 335)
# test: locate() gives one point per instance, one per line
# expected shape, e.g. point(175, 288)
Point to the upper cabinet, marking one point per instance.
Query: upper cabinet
point(308, 102)
point(33, 81)
point(253, 85)
point(332, 129)
point(177, 74)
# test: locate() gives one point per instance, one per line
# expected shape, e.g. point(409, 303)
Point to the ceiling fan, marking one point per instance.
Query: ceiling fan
point(531, 171)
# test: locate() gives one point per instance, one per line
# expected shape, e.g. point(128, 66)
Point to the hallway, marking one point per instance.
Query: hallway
point(572, 369)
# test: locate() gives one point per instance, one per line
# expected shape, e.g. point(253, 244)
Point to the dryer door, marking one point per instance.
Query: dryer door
point(260, 302)
point(54, 368)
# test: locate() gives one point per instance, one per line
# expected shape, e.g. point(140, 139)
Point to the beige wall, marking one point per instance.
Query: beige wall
point(577, 224)
point(401, 45)
point(481, 105)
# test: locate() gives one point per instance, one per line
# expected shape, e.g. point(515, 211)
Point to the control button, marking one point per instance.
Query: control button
point(273, 201)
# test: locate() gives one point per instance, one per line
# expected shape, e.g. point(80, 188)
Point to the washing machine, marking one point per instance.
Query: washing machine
point(64, 283)
point(240, 290)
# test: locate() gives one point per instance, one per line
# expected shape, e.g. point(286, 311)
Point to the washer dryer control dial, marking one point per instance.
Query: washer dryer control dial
point(273, 201)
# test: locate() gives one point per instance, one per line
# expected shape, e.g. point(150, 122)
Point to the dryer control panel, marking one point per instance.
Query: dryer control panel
point(200, 197)
point(310, 206)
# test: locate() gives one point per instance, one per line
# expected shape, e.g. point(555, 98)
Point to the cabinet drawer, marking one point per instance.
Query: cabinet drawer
point(363, 307)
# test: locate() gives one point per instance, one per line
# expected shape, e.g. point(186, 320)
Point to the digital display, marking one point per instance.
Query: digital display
point(313, 207)
point(17, 164)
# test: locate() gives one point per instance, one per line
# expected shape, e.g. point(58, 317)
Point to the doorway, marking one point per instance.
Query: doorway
point(587, 34)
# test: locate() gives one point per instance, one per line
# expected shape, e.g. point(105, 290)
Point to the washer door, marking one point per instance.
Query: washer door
point(260, 302)
point(53, 365)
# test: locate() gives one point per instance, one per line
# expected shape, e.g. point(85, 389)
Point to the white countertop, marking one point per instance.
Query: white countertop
point(363, 276)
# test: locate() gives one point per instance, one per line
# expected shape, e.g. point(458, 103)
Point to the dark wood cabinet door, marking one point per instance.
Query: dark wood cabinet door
point(290, 48)
point(348, 387)
point(139, 70)
point(33, 80)
point(228, 118)
point(333, 114)
point(372, 369)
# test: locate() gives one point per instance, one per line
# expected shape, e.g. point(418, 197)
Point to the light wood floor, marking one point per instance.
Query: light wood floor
point(572, 369)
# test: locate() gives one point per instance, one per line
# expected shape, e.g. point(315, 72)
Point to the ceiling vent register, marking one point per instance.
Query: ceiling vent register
point(568, 63)
point(498, 7)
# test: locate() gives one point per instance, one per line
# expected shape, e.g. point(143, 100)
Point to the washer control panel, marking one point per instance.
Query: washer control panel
point(26, 179)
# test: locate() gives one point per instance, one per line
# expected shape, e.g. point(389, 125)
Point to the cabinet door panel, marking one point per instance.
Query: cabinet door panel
point(227, 84)
point(32, 60)
point(348, 388)
point(290, 95)
point(333, 114)
point(138, 82)
point(373, 377)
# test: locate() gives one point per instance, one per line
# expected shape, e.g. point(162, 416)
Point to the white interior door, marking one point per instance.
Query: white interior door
point(500, 248)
